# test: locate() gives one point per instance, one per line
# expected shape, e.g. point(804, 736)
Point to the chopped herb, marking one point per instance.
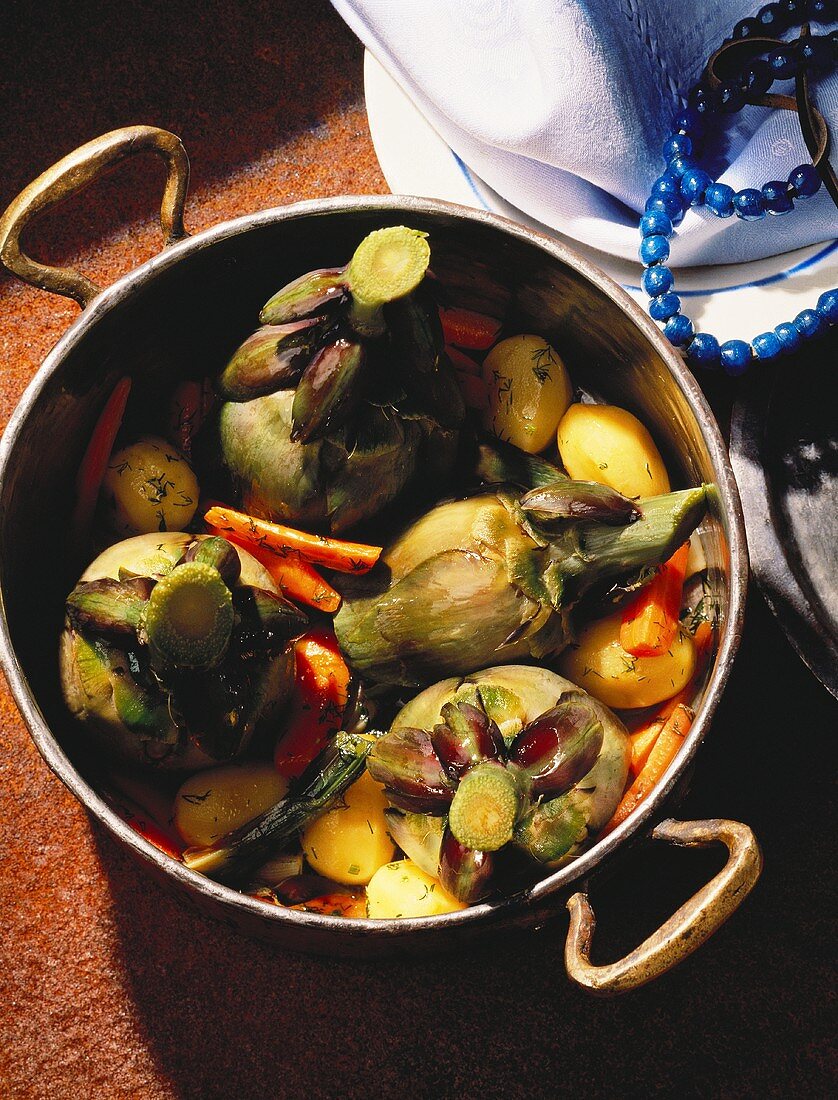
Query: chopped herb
point(196, 799)
point(354, 869)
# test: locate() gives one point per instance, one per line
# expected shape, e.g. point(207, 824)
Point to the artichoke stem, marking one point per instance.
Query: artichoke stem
point(189, 617)
point(220, 554)
point(485, 808)
point(665, 523)
point(387, 265)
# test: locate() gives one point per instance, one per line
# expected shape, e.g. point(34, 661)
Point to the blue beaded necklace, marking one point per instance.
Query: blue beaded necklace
point(684, 184)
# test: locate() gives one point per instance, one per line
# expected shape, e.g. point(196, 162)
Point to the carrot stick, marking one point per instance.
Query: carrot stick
point(143, 820)
point(344, 557)
point(294, 577)
point(462, 363)
point(334, 905)
point(96, 457)
point(650, 622)
point(644, 738)
point(642, 743)
point(466, 329)
point(474, 391)
point(318, 700)
point(669, 741)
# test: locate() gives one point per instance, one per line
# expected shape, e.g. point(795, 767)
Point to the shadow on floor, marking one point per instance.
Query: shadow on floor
point(746, 1016)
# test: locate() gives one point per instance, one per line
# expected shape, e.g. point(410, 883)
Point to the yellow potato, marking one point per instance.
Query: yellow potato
point(609, 445)
point(215, 801)
point(528, 391)
point(600, 665)
point(349, 843)
point(402, 889)
point(149, 486)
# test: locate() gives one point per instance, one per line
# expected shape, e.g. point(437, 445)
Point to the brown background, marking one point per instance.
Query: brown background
point(108, 989)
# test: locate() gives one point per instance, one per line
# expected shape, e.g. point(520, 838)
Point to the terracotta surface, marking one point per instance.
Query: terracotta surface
point(108, 989)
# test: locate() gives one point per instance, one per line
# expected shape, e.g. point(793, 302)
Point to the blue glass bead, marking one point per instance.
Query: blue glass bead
point(666, 185)
point(694, 184)
point(671, 205)
point(703, 350)
point(766, 346)
point(687, 122)
point(655, 222)
point(664, 306)
point(678, 143)
point(805, 180)
point(718, 198)
point(772, 20)
point(808, 323)
point(782, 63)
point(814, 53)
point(735, 356)
point(654, 250)
point(747, 28)
point(795, 11)
point(678, 165)
point(731, 99)
point(827, 306)
point(705, 103)
point(758, 78)
point(823, 11)
point(748, 204)
point(679, 330)
point(656, 280)
point(775, 195)
point(788, 336)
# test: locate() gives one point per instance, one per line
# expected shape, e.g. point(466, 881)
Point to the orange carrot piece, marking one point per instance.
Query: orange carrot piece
point(474, 391)
point(642, 743)
point(462, 363)
point(287, 542)
point(295, 578)
point(650, 622)
point(142, 821)
point(467, 329)
point(335, 905)
point(669, 741)
point(96, 457)
point(318, 700)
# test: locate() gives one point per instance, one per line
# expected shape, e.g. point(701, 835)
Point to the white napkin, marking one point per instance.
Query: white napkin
point(562, 107)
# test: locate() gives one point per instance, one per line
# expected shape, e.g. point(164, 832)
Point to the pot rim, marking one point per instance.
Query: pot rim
point(731, 510)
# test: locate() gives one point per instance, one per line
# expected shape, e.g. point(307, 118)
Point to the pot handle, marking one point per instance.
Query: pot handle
point(687, 928)
point(73, 173)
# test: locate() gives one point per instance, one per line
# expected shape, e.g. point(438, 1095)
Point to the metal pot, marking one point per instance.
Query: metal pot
point(191, 304)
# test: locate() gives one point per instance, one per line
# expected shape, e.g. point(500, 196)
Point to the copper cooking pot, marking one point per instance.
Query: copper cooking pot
point(189, 306)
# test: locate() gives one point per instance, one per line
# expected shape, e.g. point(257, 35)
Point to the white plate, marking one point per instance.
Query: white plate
point(737, 300)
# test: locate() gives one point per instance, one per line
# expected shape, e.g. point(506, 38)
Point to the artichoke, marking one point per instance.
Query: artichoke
point(333, 403)
point(513, 757)
point(174, 648)
point(488, 579)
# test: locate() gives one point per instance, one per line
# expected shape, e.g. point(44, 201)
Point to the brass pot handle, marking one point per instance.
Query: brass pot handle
point(73, 173)
point(687, 928)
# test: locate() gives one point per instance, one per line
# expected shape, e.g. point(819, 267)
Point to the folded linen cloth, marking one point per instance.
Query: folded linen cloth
point(562, 107)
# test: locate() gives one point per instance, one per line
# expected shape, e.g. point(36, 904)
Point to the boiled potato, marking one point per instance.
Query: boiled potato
point(149, 486)
point(216, 801)
point(600, 665)
point(402, 889)
point(349, 843)
point(609, 445)
point(528, 391)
